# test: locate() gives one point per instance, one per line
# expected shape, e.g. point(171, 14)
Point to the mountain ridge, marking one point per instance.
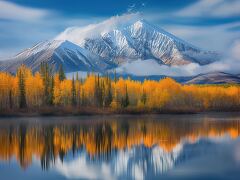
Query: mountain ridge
point(55, 52)
point(140, 40)
point(97, 48)
point(214, 78)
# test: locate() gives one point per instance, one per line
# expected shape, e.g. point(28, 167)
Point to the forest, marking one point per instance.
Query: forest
point(49, 90)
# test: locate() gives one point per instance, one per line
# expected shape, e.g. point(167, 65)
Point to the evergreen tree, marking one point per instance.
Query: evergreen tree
point(83, 102)
point(98, 98)
point(74, 100)
point(144, 97)
point(61, 73)
point(51, 91)
point(77, 77)
point(48, 82)
point(77, 87)
point(115, 76)
point(22, 92)
point(96, 91)
point(125, 100)
point(108, 97)
point(10, 99)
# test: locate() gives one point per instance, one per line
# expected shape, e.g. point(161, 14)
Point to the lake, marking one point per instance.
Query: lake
point(196, 146)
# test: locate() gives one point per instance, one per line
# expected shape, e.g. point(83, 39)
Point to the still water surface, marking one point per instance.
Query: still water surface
point(196, 146)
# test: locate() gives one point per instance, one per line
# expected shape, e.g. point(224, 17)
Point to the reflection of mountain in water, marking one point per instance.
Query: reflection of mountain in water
point(133, 148)
point(139, 162)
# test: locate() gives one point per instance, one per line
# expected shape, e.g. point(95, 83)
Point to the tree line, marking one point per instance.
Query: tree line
point(46, 89)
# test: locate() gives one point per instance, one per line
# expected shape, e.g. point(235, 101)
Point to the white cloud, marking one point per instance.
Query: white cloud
point(14, 39)
point(230, 64)
point(212, 8)
point(217, 38)
point(12, 11)
point(151, 67)
point(78, 34)
point(235, 50)
point(131, 8)
point(208, 37)
point(80, 168)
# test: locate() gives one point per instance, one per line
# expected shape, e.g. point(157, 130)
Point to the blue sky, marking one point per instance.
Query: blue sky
point(209, 24)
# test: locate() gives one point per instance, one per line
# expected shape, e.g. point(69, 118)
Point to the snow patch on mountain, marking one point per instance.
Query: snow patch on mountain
point(56, 52)
point(127, 42)
point(129, 37)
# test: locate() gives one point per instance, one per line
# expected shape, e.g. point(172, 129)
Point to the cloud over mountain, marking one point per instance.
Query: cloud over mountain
point(212, 8)
point(12, 11)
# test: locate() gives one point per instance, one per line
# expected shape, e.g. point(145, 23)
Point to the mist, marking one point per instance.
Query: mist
point(229, 63)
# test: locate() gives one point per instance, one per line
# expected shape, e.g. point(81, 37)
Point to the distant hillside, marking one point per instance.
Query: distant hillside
point(214, 78)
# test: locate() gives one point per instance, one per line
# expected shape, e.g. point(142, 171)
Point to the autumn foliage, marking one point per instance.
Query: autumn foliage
point(45, 89)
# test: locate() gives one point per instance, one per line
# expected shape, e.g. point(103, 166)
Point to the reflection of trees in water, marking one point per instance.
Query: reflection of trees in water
point(48, 151)
point(22, 136)
point(101, 138)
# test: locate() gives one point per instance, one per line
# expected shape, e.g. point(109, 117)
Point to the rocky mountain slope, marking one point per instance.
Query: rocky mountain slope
point(56, 52)
point(214, 78)
point(108, 45)
point(139, 40)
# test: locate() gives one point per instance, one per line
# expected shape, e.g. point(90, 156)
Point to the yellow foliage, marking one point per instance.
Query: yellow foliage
point(165, 94)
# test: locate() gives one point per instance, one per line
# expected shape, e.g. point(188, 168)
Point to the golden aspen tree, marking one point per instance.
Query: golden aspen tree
point(45, 88)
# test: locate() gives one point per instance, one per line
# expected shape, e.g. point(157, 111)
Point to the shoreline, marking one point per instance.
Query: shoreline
point(90, 111)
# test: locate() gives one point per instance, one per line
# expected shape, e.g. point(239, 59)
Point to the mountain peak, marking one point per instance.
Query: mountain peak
point(112, 43)
point(123, 38)
point(139, 23)
point(142, 23)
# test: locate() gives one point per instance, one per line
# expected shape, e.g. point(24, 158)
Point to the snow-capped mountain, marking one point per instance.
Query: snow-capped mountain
point(138, 162)
point(139, 40)
point(108, 45)
point(56, 52)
